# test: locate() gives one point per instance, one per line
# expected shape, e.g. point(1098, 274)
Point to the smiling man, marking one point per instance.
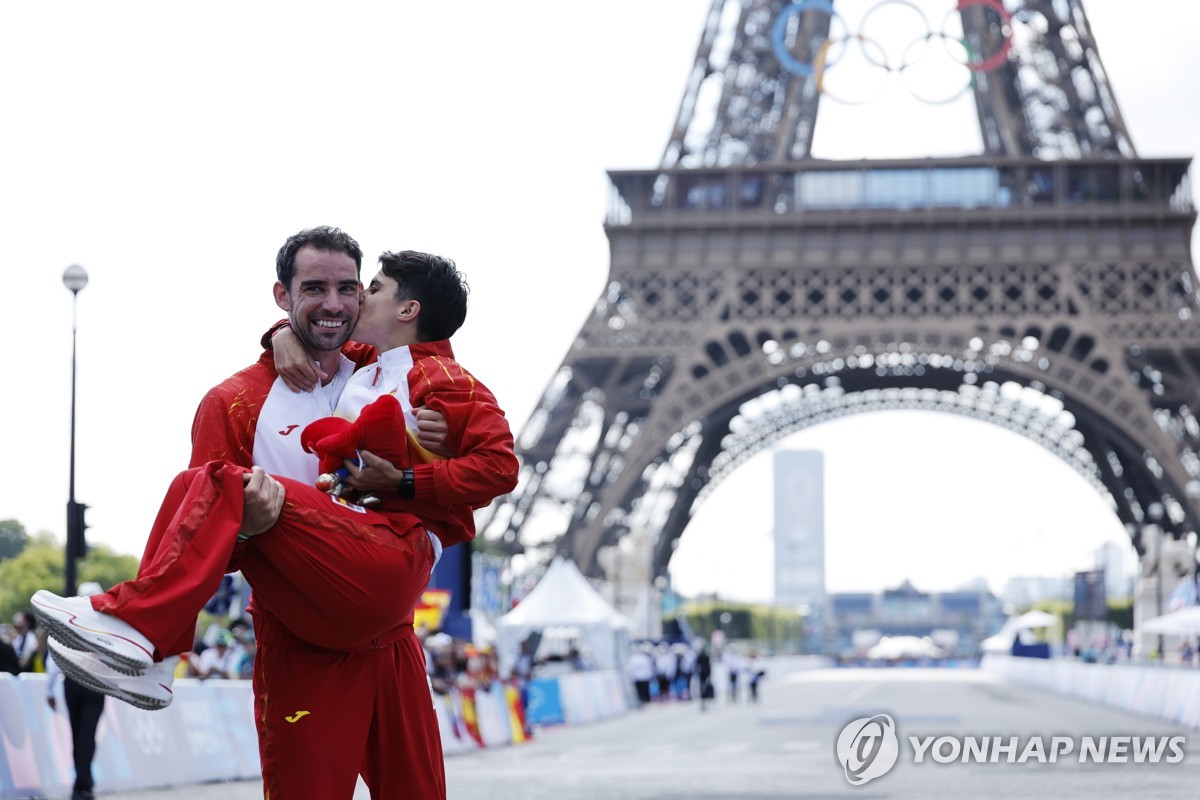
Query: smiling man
point(253, 418)
point(339, 675)
point(371, 705)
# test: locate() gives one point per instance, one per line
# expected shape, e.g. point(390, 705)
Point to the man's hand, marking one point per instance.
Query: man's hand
point(432, 432)
point(293, 363)
point(262, 498)
point(379, 474)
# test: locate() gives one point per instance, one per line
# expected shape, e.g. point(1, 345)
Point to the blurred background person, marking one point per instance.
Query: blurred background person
point(754, 674)
point(217, 661)
point(640, 669)
point(24, 642)
point(665, 665)
point(84, 708)
point(241, 660)
point(733, 665)
point(685, 657)
point(8, 659)
point(704, 683)
point(440, 663)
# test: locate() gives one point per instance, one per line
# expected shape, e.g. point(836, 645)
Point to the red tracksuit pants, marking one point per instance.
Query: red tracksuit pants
point(339, 676)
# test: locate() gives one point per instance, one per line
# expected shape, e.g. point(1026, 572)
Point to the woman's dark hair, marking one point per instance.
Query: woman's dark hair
point(435, 283)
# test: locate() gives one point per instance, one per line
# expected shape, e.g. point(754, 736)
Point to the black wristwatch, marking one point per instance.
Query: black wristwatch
point(407, 487)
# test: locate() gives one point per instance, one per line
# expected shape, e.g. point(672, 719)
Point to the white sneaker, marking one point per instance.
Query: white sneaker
point(74, 622)
point(151, 690)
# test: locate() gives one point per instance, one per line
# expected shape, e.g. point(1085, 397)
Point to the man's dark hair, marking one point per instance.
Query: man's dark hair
point(435, 283)
point(322, 237)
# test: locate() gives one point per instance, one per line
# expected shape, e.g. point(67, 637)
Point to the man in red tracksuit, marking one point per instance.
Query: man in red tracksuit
point(340, 687)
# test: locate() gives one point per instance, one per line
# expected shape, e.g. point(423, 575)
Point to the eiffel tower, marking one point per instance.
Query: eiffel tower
point(755, 291)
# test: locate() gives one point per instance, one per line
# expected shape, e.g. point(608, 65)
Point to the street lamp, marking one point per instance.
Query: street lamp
point(75, 278)
point(1155, 511)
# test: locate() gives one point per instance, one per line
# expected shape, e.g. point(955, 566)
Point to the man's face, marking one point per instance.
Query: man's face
point(323, 301)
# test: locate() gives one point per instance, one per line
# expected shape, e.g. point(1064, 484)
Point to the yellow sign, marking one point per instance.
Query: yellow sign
point(431, 609)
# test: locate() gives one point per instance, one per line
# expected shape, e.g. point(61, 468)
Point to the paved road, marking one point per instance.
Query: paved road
point(784, 747)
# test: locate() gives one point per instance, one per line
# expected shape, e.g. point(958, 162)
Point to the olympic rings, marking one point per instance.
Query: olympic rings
point(820, 64)
point(875, 54)
point(862, 26)
point(905, 75)
point(779, 32)
point(1000, 56)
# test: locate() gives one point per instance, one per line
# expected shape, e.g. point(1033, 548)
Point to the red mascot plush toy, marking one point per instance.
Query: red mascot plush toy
point(380, 428)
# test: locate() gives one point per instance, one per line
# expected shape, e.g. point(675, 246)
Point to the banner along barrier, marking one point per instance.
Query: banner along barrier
point(207, 733)
point(1166, 693)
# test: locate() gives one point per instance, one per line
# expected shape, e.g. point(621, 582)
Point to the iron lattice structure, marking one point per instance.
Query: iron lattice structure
point(1045, 285)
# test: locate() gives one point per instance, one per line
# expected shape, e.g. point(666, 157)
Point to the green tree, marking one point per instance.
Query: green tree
point(1120, 613)
point(13, 538)
point(42, 565)
point(39, 566)
point(760, 625)
point(107, 568)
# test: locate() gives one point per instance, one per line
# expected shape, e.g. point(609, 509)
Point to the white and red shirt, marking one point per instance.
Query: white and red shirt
point(252, 418)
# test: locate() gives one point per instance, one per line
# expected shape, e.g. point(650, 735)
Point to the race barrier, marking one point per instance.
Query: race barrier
point(207, 733)
point(470, 719)
point(577, 697)
point(1165, 693)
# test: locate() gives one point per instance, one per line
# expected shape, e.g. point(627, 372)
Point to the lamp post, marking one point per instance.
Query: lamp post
point(1192, 490)
point(75, 278)
point(1155, 511)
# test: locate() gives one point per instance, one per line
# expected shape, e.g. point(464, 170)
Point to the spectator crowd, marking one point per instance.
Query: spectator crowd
point(664, 672)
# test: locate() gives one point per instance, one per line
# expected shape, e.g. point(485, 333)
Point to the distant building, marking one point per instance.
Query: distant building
point(1023, 591)
point(1116, 561)
point(800, 529)
point(972, 615)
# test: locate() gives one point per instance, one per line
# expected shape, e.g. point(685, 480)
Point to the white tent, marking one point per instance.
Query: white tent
point(564, 598)
point(1184, 622)
point(1017, 628)
point(891, 647)
point(1036, 619)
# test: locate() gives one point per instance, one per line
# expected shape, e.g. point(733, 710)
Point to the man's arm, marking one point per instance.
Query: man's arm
point(295, 364)
point(223, 430)
point(485, 465)
point(444, 493)
point(483, 468)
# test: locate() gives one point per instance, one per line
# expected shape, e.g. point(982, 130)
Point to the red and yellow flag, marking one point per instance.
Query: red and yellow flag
point(431, 609)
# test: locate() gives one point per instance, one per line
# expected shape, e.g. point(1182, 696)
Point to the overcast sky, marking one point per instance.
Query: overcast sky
point(170, 148)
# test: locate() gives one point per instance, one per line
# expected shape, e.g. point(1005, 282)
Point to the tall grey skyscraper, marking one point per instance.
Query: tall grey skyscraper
point(800, 528)
point(1117, 562)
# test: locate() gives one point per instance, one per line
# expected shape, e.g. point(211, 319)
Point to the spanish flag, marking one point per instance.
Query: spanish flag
point(431, 609)
point(516, 713)
point(470, 717)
